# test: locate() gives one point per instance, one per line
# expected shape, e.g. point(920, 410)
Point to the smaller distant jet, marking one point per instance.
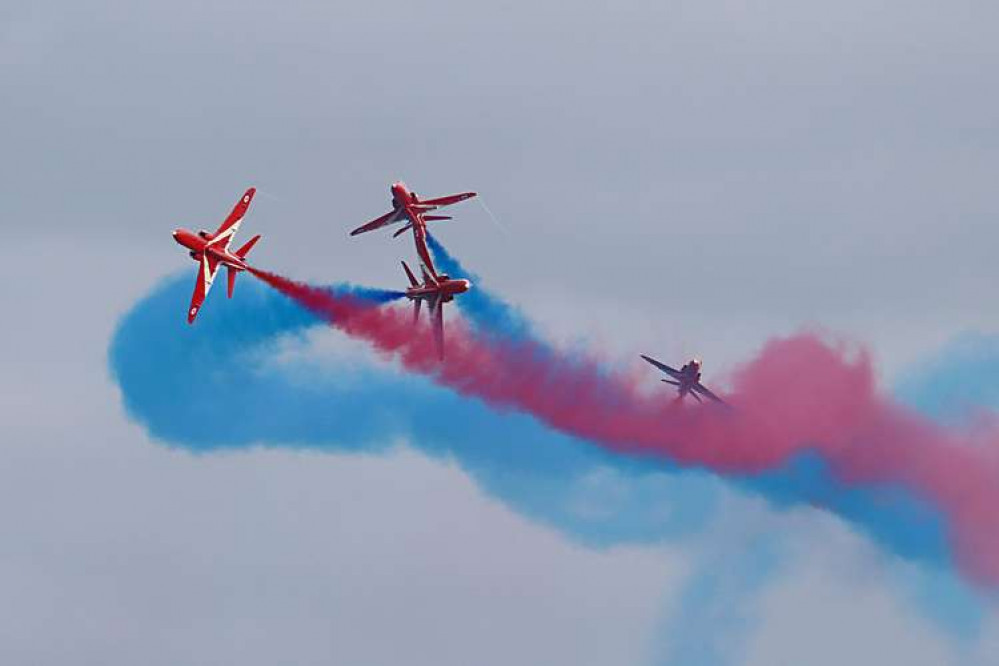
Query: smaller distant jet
point(687, 379)
point(409, 208)
point(436, 291)
point(212, 251)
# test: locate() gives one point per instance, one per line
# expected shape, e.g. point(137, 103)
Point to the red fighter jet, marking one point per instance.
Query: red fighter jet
point(408, 208)
point(212, 251)
point(687, 379)
point(436, 291)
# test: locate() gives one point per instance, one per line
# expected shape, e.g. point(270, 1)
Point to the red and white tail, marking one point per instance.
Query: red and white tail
point(409, 274)
point(241, 253)
point(245, 250)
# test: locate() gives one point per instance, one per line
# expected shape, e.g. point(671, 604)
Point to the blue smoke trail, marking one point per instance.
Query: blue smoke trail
point(717, 602)
point(957, 381)
point(175, 377)
point(889, 515)
point(489, 313)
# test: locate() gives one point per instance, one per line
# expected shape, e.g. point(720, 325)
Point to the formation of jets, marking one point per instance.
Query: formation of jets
point(436, 289)
point(212, 251)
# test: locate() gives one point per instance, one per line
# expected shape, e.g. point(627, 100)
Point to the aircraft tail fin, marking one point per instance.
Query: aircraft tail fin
point(231, 271)
point(245, 250)
point(428, 278)
point(409, 274)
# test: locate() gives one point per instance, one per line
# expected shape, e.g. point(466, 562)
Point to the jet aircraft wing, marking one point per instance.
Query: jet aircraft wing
point(700, 388)
point(387, 218)
point(446, 201)
point(231, 224)
point(672, 372)
point(207, 270)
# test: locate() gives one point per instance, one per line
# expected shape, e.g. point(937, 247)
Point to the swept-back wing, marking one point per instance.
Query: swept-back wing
point(448, 200)
point(207, 270)
point(377, 223)
point(672, 372)
point(231, 224)
point(700, 388)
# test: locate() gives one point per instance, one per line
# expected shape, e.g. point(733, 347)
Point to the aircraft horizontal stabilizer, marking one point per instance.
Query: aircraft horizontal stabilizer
point(245, 250)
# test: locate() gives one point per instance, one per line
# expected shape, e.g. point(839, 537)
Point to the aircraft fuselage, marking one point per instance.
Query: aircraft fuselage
point(446, 289)
point(690, 375)
point(198, 245)
point(404, 198)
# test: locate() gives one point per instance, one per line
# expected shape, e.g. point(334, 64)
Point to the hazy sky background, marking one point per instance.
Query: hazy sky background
point(676, 178)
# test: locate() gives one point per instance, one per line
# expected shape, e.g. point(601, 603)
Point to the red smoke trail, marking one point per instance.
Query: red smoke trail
point(799, 394)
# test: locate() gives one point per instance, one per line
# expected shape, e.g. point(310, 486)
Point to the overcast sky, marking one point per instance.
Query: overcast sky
point(670, 177)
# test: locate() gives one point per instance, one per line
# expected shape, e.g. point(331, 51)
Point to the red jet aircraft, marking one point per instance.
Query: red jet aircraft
point(212, 251)
point(406, 206)
point(436, 290)
point(687, 379)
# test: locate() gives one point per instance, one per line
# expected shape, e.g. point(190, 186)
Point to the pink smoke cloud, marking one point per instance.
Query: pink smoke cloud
point(798, 394)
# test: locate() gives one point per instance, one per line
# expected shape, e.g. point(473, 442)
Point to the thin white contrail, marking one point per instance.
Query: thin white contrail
point(499, 225)
point(268, 195)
